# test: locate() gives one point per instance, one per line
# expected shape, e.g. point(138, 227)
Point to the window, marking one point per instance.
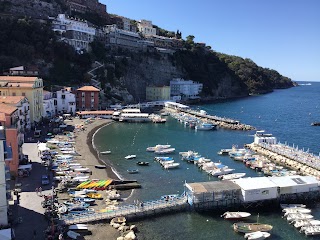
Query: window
point(23, 94)
point(63, 96)
point(13, 94)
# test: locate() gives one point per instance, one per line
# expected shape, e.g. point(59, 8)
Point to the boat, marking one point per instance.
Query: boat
point(79, 227)
point(295, 210)
point(257, 235)
point(118, 220)
point(235, 215)
point(170, 165)
point(284, 205)
point(132, 171)
point(224, 151)
point(169, 197)
point(315, 124)
point(80, 210)
point(100, 166)
point(73, 235)
point(164, 151)
point(94, 195)
point(295, 216)
point(85, 200)
point(311, 230)
point(251, 227)
point(157, 147)
point(163, 158)
point(130, 157)
point(143, 163)
point(232, 176)
point(205, 126)
point(306, 222)
point(221, 171)
point(105, 152)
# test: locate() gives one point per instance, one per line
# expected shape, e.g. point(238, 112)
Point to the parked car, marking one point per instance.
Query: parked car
point(45, 180)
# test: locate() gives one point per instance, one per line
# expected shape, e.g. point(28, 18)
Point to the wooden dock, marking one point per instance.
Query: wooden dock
point(129, 211)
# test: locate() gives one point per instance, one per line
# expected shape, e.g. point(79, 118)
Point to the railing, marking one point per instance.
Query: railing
point(125, 210)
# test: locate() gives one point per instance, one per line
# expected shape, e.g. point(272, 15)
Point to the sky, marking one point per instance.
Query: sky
point(283, 35)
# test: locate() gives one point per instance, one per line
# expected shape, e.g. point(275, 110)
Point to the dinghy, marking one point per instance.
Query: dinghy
point(130, 157)
point(292, 205)
point(235, 215)
point(105, 152)
point(257, 235)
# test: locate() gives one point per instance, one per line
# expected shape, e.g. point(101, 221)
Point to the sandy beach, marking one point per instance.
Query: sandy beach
point(89, 158)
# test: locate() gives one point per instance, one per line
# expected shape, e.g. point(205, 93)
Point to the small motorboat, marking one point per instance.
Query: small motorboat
point(143, 163)
point(130, 156)
point(283, 205)
point(295, 216)
point(79, 227)
point(257, 235)
point(171, 165)
point(295, 210)
point(235, 215)
point(100, 166)
point(132, 171)
point(306, 222)
point(105, 152)
point(251, 227)
point(311, 230)
point(232, 176)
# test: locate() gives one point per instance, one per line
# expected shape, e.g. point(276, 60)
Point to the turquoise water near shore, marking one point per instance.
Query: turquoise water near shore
point(285, 113)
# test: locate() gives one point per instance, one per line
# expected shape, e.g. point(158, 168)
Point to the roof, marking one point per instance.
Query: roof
point(2, 117)
point(289, 181)
point(11, 99)
point(17, 79)
point(95, 112)
point(89, 89)
point(7, 109)
point(254, 183)
point(214, 186)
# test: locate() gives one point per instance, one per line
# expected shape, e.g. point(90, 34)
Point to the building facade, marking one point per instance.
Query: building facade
point(87, 98)
point(75, 32)
point(116, 36)
point(83, 6)
point(158, 93)
point(187, 89)
point(66, 101)
point(23, 107)
point(146, 27)
point(29, 87)
point(49, 107)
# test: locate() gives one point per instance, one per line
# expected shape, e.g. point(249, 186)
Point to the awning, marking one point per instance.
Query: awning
point(5, 234)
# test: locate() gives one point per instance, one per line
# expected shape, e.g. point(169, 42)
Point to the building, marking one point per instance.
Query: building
point(262, 137)
point(84, 6)
point(29, 87)
point(146, 28)
point(10, 120)
point(23, 106)
point(75, 32)
point(66, 101)
point(5, 156)
point(49, 106)
point(23, 71)
point(165, 42)
point(87, 98)
point(158, 93)
point(185, 88)
point(123, 38)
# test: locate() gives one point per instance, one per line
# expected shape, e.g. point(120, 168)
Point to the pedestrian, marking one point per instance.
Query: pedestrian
point(37, 191)
point(40, 191)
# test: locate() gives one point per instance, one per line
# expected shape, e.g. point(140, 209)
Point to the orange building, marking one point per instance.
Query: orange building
point(9, 119)
point(87, 98)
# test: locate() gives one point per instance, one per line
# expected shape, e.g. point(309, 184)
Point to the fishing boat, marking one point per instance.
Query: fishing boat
point(171, 165)
point(232, 176)
point(235, 215)
point(295, 210)
point(143, 163)
point(105, 152)
point(132, 171)
point(257, 235)
point(130, 157)
point(284, 205)
point(251, 227)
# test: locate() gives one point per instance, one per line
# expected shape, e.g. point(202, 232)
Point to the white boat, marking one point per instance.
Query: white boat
point(284, 205)
point(294, 216)
point(164, 162)
point(295, 210)
point(130, 156)
point(82, 169)
point(205, 126)
point(304, 223)
point(224, 151)
point(73, 235)
point(257, 235)
point(232, 176)
point(157, 147)
point(171, 165)
point(235, 215)
point(311, 230)
point(79, 227)
point(105, 152)
point(221, 171)
point(165, 151)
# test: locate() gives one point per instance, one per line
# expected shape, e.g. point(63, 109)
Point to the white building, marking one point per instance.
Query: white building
point(261, 137)
point(49, 108)
point(73, 31)
point(185, 88)
point(66, 101)
point(23, 112)
point(3, 171)
point(116, 36)
point(146, 27)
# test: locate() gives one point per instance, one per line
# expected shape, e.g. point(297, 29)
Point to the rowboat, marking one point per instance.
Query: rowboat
point(105, 152)
point(235, 215)
point(251, 227)
point(100, 166)
point(257, 235)
point(132, 171)
point(130, 156)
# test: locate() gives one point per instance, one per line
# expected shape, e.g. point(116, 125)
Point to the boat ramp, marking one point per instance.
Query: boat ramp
point(202, 115)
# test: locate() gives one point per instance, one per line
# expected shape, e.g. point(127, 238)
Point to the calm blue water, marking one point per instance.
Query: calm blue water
point(285, 113)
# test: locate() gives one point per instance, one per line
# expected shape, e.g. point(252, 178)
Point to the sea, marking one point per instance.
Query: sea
point(286, 113)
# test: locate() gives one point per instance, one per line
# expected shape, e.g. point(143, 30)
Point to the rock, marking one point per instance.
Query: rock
point(120, 238)
point(130, 236)
point(116, 225)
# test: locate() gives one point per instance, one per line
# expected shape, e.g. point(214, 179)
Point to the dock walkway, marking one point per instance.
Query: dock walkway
point(148, 208)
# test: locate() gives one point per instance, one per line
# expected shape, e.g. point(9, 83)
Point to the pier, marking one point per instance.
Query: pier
point(130, 211)
point(203, 116)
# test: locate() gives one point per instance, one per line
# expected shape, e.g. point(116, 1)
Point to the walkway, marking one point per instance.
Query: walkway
point(148, 208)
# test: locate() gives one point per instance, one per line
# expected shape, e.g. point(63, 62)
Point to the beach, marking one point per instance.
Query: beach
point(89, 158)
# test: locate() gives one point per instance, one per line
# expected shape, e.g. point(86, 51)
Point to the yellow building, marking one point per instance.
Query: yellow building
point(158, 93)
point(30, 87)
